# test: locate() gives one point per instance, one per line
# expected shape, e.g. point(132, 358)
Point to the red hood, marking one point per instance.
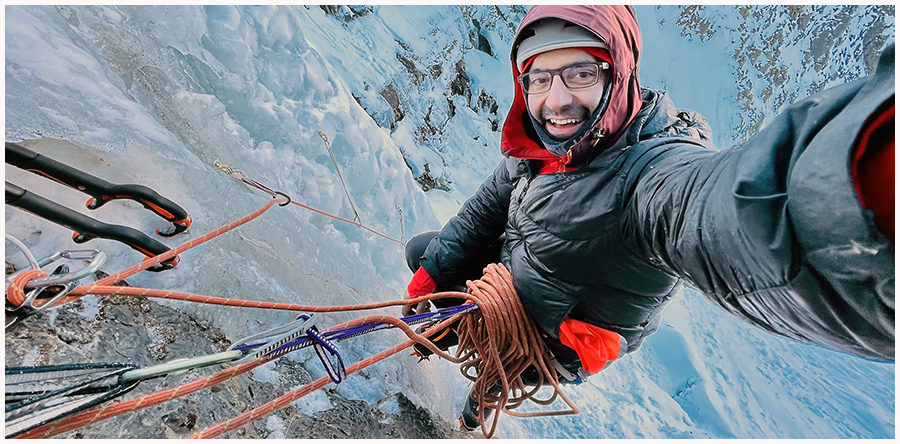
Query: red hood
point(618, 27)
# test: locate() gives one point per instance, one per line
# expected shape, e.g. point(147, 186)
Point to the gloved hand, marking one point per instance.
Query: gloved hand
point(596, 347)
point(420, 285)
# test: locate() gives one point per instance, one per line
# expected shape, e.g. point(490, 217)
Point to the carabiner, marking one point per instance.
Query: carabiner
point(49, 300)
point(97, 258)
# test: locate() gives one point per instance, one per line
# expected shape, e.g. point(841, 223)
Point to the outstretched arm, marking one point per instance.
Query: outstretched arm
point(779, 230)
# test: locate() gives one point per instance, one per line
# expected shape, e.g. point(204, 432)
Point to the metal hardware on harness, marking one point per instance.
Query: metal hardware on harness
point(567, 375)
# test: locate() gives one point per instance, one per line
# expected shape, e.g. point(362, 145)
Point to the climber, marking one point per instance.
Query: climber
point(609, 198)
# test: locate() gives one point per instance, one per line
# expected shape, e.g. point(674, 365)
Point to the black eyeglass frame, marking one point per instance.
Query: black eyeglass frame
point(601, 66)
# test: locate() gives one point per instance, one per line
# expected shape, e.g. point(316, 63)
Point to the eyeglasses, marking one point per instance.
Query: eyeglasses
point(577, 76)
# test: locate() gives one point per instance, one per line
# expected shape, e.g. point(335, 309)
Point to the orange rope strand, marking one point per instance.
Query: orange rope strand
point(497, 342)
point(104, 412)
point(203, 299)
point(500, 324)
point(15, 293)
point(346, 220)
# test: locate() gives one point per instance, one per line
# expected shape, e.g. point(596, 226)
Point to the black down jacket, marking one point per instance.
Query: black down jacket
point(770, 230)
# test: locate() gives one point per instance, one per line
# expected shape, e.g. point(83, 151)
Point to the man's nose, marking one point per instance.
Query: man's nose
point(559, 94)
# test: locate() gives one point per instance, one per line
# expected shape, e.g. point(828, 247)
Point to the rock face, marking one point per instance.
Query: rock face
point(433, 83)
point(138, 331)
point(785, 53)
point(766, 38)
point(434, 91)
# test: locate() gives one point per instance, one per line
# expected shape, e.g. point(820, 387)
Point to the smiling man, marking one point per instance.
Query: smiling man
point(610, 198)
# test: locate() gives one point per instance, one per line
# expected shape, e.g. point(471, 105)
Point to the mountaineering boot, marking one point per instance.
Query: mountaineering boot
point(470, 418)
point(442, 339)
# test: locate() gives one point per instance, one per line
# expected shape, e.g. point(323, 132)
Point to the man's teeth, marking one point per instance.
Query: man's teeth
point(564, 122)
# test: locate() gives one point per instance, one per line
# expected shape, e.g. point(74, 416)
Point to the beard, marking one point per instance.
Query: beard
point(576, 113)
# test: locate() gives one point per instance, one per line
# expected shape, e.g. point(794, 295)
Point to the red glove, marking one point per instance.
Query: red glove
point(872, 167)
point(420, 285)
point(596, 347)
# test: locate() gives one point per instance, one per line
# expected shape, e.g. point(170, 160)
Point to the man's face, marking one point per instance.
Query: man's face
point(562, 111)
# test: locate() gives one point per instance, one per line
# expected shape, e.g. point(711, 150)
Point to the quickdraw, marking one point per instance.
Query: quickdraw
point(336, 371)
point(282, 335)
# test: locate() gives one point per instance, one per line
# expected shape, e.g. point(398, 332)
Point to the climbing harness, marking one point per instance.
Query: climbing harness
point(101, 192)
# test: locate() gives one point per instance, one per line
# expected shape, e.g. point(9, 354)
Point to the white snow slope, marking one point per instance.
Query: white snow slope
point(154, 95)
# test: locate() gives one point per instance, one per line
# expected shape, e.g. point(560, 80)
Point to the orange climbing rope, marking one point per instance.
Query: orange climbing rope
point(105, 412)
point(239, 175)
point(497, 343)
point(15, 292)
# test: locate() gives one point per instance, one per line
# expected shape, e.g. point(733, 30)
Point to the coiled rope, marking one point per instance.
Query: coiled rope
point(497, 343)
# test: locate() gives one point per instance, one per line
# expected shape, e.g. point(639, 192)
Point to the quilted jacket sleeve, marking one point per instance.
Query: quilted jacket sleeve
point(772, 230)
point(480, 221)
